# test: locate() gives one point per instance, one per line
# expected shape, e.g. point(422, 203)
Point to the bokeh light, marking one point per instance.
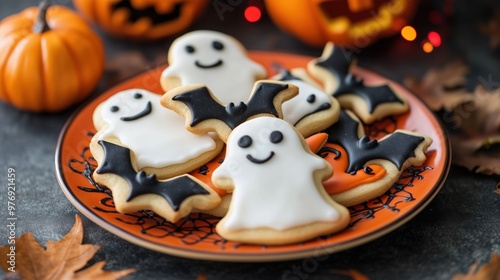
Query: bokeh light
point(409, 33)
point(434, 38)
point(427, 47)
point(252, 14)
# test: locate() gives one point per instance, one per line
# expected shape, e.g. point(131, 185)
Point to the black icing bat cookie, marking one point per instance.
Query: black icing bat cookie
point(367, 168)
point(204, 113)
point(333, 68)
point(397, 147)
point(171, 193)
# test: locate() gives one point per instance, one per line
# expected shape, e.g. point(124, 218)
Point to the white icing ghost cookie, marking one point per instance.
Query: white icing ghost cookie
point(215, 59)
point(276, 184)
point(155, 135)
point(312, 110)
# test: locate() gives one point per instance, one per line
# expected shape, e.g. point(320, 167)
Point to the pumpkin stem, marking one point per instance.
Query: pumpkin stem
point(41, 20)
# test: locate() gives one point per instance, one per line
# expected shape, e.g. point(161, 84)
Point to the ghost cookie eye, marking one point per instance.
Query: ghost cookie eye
point(137, 95)
point(276, 137)
point(217, 45)
point(190, 49)
point(114, 109)
point(311, 98)
point(245, 141)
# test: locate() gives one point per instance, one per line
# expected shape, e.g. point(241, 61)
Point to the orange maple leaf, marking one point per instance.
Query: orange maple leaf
point(489, 271)
point(63, 259)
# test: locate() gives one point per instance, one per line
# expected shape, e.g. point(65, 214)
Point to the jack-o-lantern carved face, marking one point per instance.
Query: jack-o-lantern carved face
point(142, 19)
point(353, 23)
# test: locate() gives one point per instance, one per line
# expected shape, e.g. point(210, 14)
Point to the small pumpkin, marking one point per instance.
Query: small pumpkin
point(50, 59)
point(350, 23)
point(142, 19)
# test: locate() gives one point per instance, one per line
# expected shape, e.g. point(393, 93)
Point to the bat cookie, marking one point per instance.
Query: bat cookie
point(156, 136)
point(215, 59)
point(205, 113)
point(366, 168)
point(133, 191)
point(312, 110)
point(275, 180)
point(369, 102)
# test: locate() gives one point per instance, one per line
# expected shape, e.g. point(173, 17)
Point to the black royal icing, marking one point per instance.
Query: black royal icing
point(117, 161)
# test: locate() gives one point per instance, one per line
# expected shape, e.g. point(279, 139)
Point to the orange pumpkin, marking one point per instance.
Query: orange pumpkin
point(50, 59)
point(142, 19)
point(350, 23)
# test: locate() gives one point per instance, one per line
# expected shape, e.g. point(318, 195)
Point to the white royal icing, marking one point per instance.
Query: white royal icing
point(299, 107)
point(232, 81)
point(158, 139)
point(279, 193)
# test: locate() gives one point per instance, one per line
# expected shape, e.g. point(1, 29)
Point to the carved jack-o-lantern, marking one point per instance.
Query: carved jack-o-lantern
point(352, 23)
point(142, 19)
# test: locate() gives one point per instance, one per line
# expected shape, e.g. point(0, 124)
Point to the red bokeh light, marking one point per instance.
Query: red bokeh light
point(434, 38)
point(252, 14)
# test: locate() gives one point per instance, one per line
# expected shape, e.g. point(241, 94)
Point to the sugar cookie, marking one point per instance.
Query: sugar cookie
point(275, 180)
point(133, 191)
point(369, 102)
point(215, 59)
point(312, 110)
point(133, 117)
point(205, 113)
point(366, 168)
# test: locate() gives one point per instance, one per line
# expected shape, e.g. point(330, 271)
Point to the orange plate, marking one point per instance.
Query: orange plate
point(195, 237)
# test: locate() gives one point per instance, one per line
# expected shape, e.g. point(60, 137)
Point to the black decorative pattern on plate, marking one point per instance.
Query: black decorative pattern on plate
point(200, 228)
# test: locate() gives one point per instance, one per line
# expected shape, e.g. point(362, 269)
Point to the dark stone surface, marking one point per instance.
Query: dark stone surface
point(458, 227)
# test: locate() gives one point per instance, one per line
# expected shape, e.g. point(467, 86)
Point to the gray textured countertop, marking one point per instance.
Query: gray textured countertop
point(458, 227)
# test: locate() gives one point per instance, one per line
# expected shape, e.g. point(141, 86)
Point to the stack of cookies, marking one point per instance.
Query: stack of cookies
point(277, 158)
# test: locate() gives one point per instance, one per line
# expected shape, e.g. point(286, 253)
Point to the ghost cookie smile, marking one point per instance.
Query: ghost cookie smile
point(143, 113)
point(218, 63)
point(246, 141)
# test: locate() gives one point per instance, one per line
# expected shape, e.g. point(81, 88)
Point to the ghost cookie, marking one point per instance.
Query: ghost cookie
point(275, 180)
point(369, 102)
point(366, 168)
point(312, 110)
point(204, 174)
point(134, 190)
point(205, 113)
point(215, 59)
point(156, 136)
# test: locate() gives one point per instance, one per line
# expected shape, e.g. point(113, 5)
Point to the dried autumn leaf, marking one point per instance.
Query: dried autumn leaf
point(63, 259)
point(492, 30)
point(473, 154)
point(480, 116)
point(477, 147)
point(441, 88)
point(489, 271)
